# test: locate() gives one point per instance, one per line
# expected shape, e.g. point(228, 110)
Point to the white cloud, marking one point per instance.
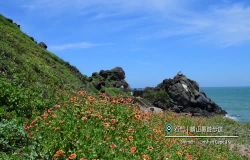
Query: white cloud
point(222, 25)
point(57, 6)
point(78, 45)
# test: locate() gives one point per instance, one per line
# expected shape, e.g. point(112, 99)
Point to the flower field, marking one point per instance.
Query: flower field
point(102, 127)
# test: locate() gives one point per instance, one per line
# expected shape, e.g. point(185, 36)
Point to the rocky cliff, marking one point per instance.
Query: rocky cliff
point(181, 94)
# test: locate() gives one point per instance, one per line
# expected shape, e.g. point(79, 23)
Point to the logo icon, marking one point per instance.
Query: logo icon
point(169, 128)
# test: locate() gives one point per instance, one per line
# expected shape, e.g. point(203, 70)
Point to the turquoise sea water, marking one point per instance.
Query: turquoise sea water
point(235, 100)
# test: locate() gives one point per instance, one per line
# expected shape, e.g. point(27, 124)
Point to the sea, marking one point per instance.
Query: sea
point(234, 100)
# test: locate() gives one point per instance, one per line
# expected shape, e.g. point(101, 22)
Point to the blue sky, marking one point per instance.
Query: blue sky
point(209, 41)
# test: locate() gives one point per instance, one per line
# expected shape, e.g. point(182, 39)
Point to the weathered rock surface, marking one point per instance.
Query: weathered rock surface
point(146, 106)
point(109, 78)
point(182, 95)
point(179, 94)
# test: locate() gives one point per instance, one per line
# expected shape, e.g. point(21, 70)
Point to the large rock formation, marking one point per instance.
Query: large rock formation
point(109, 78)
point(181, 94)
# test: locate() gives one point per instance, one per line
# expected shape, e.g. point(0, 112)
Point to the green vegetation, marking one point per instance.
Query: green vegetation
point(111, 82)
point(12, 136)
point(31, 80)
point(31, 73)
point(99, 127)
point(115, 91)
point(154, 95)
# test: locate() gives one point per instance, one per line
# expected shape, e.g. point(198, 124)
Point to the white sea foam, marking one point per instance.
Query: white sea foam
point(231, 117)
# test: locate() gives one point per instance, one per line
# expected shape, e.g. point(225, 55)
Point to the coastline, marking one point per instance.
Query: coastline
point(231, 117)
point(235, 100)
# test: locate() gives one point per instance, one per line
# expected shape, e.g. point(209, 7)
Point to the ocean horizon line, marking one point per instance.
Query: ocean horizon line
point(226, 87)
point(139, 88)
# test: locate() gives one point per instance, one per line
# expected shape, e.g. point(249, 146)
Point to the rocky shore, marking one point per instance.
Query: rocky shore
point(180, 94)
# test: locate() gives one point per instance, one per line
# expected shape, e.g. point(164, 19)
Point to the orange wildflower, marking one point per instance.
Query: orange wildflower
point(130, 130)
point(73, 99)
point(84, 119)
point(168, 145)
point(27, 127)
point(189, 156)
point(131, 138)
point(45, 115)
point(150, 148)
point(72, 156)
point(106, 124)
point(82, 93)
point(59, 153)
point(113, 146)
point(62, 121)
point(137, 116)
point(133, 149)
point(34, 121)
point(114, 101)
point(50, 110)
point(113, 121)
point(91, 98)
point(145, 157)
point(89, 111)
point(83, 159)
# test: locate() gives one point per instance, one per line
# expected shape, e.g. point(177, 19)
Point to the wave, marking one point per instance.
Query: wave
point(232, 117)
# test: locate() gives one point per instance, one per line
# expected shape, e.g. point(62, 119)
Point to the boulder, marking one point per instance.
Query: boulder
point(160, 104)
point(138, 92)
point(176, 109)
point(11, 21)
point(99, 85)
point(110, 78)
point(181, 95)
point(118, 73)
point(120, 84)
point(43, 45)
point(186, 93)
point(115, 74)
point(151, 109)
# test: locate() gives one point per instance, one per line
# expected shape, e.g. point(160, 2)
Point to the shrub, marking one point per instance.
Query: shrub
point(18, 101)
point(115, 91)
point(13, 99)
point(12, 135)
point(156, 95)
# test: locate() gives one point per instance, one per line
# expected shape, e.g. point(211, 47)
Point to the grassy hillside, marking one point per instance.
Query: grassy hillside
point(30, 76)
point(31, 80)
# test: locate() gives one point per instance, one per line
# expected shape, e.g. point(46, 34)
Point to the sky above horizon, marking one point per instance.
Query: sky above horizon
point(152, 40)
